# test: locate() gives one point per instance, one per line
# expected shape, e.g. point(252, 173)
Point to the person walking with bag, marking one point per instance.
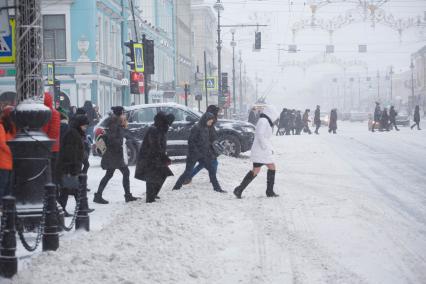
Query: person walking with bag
point(212, 139)
point(416, 118)
point(115, 154)
point(152, 165)
point(317, 119)
point(262, 153)
point(392, 118)
point(199, 150)
point(71, 158)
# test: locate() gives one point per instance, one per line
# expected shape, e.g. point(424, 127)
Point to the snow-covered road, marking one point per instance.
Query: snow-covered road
point(352, 209)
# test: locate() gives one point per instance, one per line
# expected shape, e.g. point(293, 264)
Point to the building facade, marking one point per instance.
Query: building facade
point(156, 19)
point(88, 54)
point(204, 24)
point(184, 73)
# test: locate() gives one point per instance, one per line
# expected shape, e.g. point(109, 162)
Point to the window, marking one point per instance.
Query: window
point(54, 46)
point(145, 115)
point(180, 115)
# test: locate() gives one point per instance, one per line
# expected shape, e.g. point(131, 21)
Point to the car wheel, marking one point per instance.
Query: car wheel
point(132, 153)
point(231, 145)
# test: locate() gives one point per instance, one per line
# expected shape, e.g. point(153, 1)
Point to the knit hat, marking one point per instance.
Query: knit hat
point(80, 120)
point(117, 110)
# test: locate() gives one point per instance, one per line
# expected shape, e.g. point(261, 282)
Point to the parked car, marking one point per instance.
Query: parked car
point(234, 136)
point(403, 119)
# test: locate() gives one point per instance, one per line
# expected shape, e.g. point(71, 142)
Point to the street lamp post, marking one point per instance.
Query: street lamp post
point(218, 6)
point(412, 84)
point(378, 85)
point(241, 83)
point(233, 44)
point(391, 87)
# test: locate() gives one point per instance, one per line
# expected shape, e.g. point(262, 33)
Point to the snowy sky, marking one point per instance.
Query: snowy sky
point(384, 45)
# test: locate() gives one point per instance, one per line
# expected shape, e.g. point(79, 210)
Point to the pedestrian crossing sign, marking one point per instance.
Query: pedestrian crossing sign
point(211, 83)
point(139, 60)
point(7, 45)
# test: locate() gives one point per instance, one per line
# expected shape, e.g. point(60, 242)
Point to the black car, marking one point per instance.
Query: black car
point(234, 136)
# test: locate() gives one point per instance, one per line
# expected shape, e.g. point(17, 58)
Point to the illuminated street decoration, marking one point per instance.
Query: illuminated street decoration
point(324, 59)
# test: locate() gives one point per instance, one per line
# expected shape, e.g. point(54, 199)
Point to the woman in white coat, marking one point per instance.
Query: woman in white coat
point(262, 152)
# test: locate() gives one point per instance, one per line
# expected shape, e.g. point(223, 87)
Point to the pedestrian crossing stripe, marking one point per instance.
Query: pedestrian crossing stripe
point(7, 45)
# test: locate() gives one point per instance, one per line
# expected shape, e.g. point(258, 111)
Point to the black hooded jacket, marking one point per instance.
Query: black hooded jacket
point(199, 145)
point(152, 163)
point(71, 153)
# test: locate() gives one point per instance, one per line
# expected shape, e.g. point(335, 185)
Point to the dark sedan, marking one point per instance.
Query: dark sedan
point(234, 136)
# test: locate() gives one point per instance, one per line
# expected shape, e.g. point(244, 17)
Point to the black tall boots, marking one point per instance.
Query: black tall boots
point(246, 181)
point(270, 181)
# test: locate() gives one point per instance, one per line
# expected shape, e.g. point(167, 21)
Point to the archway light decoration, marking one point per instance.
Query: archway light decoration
point(376, 16)
point(324, 59)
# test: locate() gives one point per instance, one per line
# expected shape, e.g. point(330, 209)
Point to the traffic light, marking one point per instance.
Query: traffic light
point(224, 83)
point(257, 40)
point(148, 55)
point(130, 54)
point(134, 82)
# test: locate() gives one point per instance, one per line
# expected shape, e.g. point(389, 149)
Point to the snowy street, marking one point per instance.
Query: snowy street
point(352, 209)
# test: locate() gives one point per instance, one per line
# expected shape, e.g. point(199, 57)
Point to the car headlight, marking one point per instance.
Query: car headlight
point(247, 129)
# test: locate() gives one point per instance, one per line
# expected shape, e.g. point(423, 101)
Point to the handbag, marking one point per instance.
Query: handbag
point(70, 182)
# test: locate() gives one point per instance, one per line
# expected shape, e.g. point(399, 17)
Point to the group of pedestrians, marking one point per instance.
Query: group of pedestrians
point(71, 150)
point(385, 120)
point(152, 165)
point(292, 122)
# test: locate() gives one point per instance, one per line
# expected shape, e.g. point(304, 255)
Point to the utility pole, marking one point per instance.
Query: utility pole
point(233, 44)
point(241, 84)
point(378, 85)
point(257, 94)
point(205, 79)
point(219, 7)
point(134, 20)
point(391, 87)
point(186, 93)
point(412, 84)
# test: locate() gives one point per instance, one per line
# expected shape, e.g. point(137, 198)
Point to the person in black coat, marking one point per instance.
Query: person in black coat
point(86, 142)
point(252, 118)
point(377, 116)
point(384, 120)
point(199, 150)
point(392, 118)
point(113, 158)
point(317, 119)
point(306, 121)
point(416, 118)
point(71, 157)
point(291, 122)
point(298, 122)
point(212, 139)
point(282, 124)
point(153, 163)
point(332, 126)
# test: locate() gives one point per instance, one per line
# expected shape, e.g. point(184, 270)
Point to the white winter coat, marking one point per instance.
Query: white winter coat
point(262, 150)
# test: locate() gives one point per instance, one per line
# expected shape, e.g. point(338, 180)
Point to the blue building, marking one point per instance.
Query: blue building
point(85, 40)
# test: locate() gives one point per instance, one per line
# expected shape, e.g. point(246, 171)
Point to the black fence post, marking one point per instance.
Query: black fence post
point(50, 234)
point(8, 260)
point(83, 221)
